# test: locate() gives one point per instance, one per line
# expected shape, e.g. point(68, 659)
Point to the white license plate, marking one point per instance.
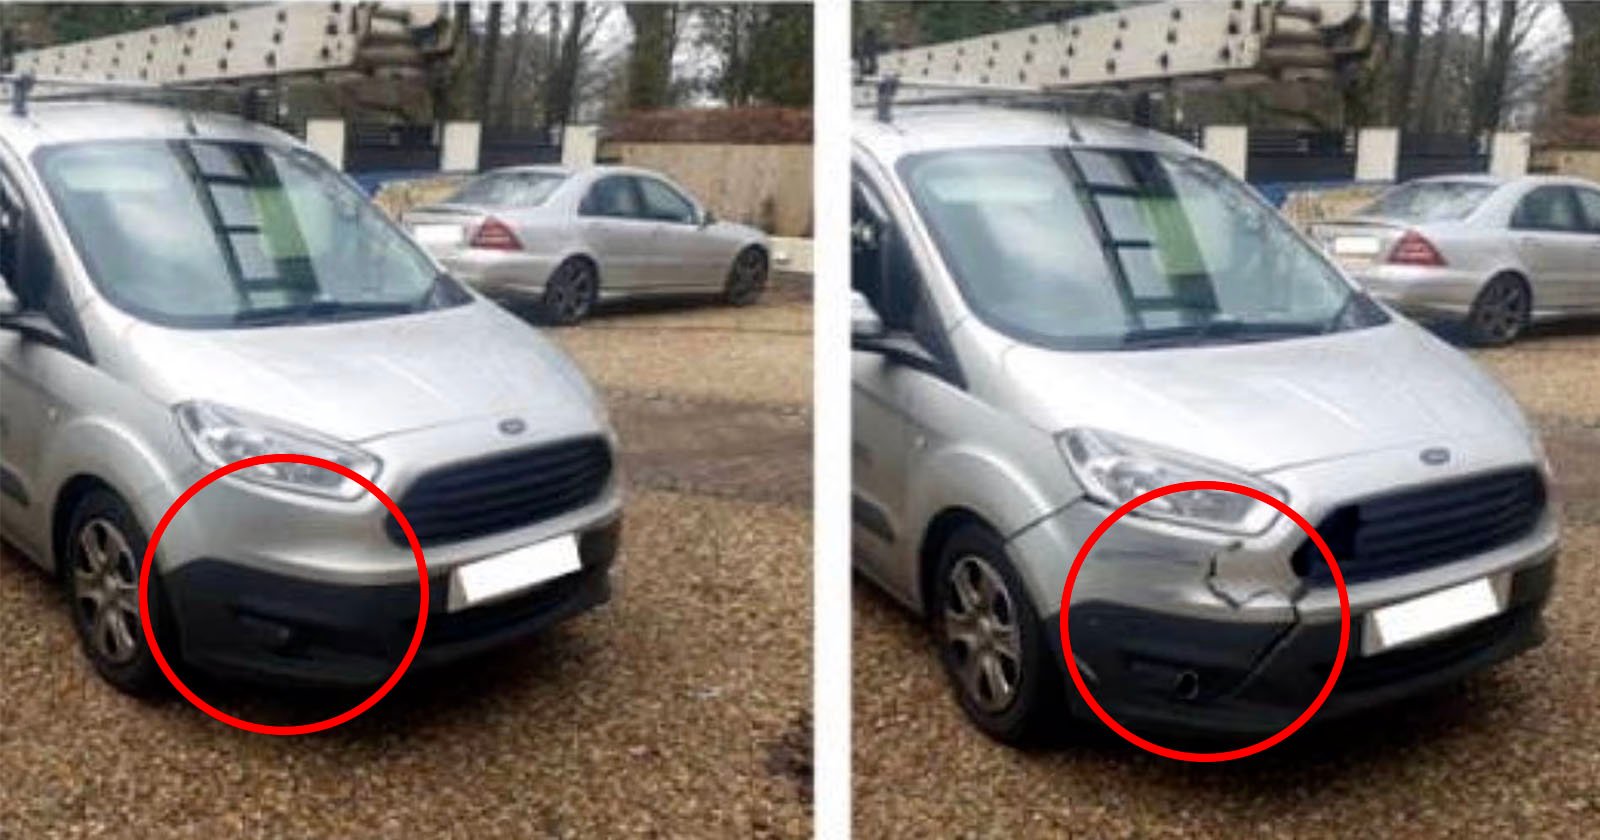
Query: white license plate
point(1355, 246)
point(515, 571)
point(1433, 614)
point(437, 234)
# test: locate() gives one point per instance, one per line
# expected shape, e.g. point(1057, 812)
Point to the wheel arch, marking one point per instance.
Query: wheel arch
point(938, 532)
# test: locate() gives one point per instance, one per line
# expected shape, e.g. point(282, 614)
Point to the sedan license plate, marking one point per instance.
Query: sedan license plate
point(515, 571)
point(1355, 246)
point(437, 234)
point(1436, 613)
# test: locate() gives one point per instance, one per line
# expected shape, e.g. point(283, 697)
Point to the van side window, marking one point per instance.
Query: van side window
point(881, 266)
point(1548, 208)
point(23, 261)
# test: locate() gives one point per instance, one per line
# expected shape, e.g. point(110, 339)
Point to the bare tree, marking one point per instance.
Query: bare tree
point(1400, 103)
point(1443, 29)
point(1583, 77)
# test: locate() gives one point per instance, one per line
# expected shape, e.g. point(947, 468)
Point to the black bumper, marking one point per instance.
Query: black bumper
point(244, 623)
point(1164, 675)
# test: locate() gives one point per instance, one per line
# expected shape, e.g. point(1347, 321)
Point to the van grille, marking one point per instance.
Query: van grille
point(502, 492)
point(1426, 526)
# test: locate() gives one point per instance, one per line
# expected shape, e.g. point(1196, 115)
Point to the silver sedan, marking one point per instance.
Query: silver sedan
point(573, 238)
point(1492, 253)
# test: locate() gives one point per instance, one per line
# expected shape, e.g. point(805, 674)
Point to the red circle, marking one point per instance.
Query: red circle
point(260, 728)
point(1226, 755)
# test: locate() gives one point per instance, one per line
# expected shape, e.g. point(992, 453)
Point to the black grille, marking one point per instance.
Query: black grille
point(1426, 526)
point(488, 495)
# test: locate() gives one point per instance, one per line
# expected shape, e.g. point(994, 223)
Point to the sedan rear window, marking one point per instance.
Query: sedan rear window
point(520, 189)
point(1429, 201)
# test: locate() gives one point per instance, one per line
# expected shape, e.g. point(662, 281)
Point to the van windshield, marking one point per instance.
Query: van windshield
point(197, 233)
point(1121, 249)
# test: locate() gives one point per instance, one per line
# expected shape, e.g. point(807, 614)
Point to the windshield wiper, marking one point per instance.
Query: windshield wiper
point(318, 310)
point(1219, 328)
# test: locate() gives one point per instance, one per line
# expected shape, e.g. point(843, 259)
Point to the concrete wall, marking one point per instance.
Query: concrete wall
point(768, 186)
point(1581, 163)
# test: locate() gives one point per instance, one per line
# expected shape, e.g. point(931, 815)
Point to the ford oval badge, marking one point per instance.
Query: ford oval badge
point(513, 426)
point(1435, 456)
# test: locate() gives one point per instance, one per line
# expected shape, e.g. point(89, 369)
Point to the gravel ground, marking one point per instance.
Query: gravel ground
point(1511, 752)
point(681, 709)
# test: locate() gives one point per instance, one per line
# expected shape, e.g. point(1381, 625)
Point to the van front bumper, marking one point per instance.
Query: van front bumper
point(238, 621)
point(1163, 674)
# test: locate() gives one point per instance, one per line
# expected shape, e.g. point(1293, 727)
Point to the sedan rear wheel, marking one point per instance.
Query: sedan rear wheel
point(571, 292)
point(1501, 312)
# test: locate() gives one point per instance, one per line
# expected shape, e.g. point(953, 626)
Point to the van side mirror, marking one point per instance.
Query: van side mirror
point(865, 323)
point(30, 324)
point(707, 218)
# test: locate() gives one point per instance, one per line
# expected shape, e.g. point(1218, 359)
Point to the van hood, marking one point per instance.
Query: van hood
point(1269, 405)
point(360, 379)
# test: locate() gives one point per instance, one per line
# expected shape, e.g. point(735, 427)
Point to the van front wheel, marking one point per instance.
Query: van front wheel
point(105, 548)
point(991, 641)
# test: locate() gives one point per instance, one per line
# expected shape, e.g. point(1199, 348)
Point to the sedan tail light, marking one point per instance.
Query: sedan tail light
point(1414, 249)
point(495, 235)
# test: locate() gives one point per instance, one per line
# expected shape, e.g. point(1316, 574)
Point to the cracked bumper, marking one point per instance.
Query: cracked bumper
point(1159, 674)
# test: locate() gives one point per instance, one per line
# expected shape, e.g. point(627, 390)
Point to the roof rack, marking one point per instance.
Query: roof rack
point(242, 51)
point(1134, 51)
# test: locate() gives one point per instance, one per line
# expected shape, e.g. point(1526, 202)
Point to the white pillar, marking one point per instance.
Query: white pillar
point(1508, 154)
point(458, 148)
point(1377, 154)
point(326, 138)
point(580, 145)
point(1228, 145)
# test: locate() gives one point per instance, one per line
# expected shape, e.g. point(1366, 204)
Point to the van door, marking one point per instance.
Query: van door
point(888, 395)
point(32, 371)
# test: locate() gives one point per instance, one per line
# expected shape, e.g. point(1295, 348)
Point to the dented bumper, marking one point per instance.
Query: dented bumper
point(1177, 629)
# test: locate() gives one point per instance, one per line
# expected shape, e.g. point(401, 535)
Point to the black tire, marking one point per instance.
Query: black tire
point(571, 292)
point(1035, 709)
point(1501, 312)
point(112, 640)
point(747, 278)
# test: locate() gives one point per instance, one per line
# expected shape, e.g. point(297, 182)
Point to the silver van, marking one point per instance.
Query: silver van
point(1054, 315)
point(185, 290)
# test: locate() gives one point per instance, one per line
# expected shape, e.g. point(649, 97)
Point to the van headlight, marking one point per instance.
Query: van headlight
point(222, 435)
point(1114, 469)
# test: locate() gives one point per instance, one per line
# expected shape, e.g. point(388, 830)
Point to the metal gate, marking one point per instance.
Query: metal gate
point(373, 147)
point(1422, 155)
point(1277, 156)
point(499, 147)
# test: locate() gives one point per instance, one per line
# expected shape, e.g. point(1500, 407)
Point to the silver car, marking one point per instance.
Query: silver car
point(571, 239)
point(1494, 254)
point(1055, 315)
point(183, 291)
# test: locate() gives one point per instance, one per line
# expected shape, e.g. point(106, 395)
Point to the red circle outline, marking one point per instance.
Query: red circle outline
point(260, 728)
point(1226, 755)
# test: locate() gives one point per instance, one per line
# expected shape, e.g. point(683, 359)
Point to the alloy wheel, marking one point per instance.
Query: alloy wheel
point(1502, 310)
point(571, 293)
point(981, 631)
point(749, 276)
point(106, 591)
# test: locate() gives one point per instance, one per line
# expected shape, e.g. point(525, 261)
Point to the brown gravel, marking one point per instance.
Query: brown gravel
point(679, 710)
point(1511, 752)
